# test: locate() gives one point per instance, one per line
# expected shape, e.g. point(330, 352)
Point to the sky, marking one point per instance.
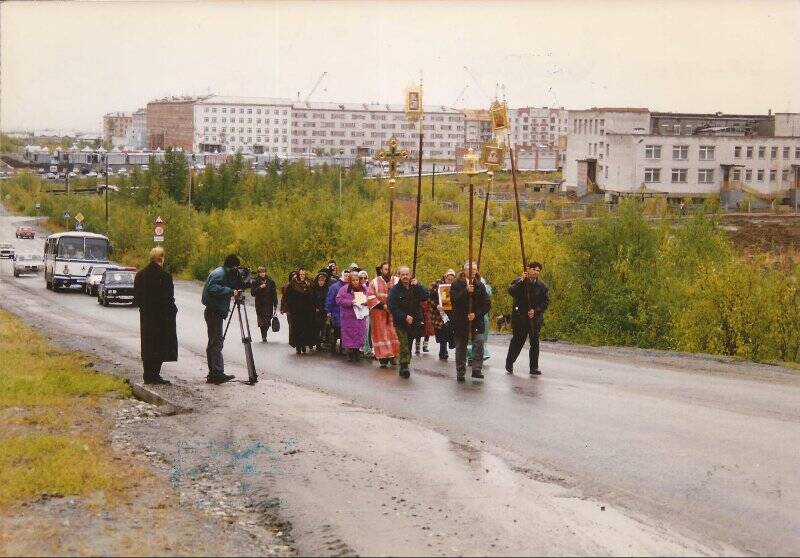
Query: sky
point(65, 64)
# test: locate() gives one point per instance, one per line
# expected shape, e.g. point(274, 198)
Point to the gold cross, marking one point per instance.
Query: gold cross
point(392, 155)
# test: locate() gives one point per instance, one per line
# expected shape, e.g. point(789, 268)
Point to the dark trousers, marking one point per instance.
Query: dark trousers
point(461, 353)
point(264, 332)
point(214, 324)
point(152, 369)
point(525, 329)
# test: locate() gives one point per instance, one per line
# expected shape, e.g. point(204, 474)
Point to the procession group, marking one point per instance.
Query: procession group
point(346, 312)
point(389, 316)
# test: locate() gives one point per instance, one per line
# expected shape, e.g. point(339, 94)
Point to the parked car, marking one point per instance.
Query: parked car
point(94, 276)
point(24, 232)
point(50, 176)
point(116, 285)
point(91, 174)
point(73, 174)
point(27, 263)
point(7, 250)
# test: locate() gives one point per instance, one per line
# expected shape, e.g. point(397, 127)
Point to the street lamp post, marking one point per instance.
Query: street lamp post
point(341, 153)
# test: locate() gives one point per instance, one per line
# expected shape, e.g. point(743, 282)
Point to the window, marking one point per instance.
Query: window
point(785, 152)
point(736, 175)
point(773, 153)
point(748, 175)
point(258, 111)
point(706, 152)
point(762, 151)
point(705, 176)
point(773, 174)
point(760, 175)
point(797, 152)
point(737, 151)
point(679, 175)
point(749, 151)
point(680, 152)
point(224, 110)
point(652, 151)
point(652, 175)
point(784, 175)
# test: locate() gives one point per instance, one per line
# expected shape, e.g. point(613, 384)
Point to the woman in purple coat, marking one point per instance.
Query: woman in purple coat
point(352, 301)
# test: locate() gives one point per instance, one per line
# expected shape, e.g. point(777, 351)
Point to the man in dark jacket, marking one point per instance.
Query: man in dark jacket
point(265, 295)
point(531, 298)
point(465, 320)
point(154, 294)
point(404, 299)
point(217, 293)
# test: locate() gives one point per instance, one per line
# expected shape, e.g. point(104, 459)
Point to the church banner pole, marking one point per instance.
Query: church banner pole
point(414, 111)
point(392, 154)
point(470, 169)
point(485, 214)
point(492, 156)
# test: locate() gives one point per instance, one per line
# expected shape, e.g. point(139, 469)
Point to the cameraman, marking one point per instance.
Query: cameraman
point(222, 284)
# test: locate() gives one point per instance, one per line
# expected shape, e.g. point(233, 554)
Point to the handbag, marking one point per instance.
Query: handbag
point(276, 324)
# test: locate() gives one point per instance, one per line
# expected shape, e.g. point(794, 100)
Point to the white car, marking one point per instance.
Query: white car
point(50, 176)
point(91, 174)
point(27, 263)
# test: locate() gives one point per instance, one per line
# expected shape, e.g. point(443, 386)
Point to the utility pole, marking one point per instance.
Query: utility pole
point(433, 179)
point(106, 192)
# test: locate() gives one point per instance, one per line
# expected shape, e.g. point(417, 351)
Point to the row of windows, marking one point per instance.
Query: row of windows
point(241, 139)
point(375, 116)
point(224, 120)
point(707, 152)
point(588, 126)
point(224, 110)
point(241, 130)
point(706, 176)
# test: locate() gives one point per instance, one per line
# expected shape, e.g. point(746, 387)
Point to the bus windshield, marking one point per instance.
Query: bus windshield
point(78, 248)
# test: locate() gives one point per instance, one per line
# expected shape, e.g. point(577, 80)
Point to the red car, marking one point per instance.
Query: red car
point(24, 232)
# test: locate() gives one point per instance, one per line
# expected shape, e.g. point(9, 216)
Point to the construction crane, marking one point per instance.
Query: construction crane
point(461, 95)
point(482, 90)
point(313, 89)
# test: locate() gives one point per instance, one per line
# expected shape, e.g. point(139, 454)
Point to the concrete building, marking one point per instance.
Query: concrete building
point(258, 125)
point(362, 129)
point(170, 122)
point(137, 133)
point(115, 127)
point(628, 150)
point(477, 128)
point(532, 126)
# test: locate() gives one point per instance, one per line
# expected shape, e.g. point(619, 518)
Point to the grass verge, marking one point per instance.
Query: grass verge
point(52, 435)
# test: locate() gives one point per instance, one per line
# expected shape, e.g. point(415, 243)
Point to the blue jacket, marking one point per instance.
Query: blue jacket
point(330, 301)
point(217, 292)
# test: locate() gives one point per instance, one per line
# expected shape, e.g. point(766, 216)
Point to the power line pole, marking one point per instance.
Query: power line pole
point(106, 192)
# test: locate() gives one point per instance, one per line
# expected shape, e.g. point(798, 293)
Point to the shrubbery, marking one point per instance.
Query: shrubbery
point(615, 280)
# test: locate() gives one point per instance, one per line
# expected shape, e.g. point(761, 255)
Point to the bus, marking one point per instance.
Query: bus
point(69, 255)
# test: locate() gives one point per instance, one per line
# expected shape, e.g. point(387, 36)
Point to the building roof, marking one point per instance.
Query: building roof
point(614, 109)
point(370, 107)
point(477, 114)
point(708, 115)
point(230, 100)
point(186, 99)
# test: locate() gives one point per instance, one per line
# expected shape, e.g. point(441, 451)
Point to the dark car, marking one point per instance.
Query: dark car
point(116, 286)
point(93, 277)
point(24, 232)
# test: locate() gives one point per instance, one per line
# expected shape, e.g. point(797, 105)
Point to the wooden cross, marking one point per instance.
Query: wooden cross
point(393, 154)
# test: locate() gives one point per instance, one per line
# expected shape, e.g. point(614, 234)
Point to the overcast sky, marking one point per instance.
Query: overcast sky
point(66, 64)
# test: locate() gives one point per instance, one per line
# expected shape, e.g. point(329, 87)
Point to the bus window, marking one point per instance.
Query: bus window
point(70, 248)
point(97, 249)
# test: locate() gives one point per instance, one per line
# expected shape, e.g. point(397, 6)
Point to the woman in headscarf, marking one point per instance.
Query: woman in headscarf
point(353, 312)
point(366, 348)
point(284, 307)
point(320, 291)
point(300, 306)
point(265, 295)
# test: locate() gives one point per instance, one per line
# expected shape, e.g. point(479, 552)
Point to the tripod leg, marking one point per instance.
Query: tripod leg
point(252, 376)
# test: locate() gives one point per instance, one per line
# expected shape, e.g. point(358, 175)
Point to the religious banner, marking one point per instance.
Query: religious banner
point(413, 106)
point(498, 116)
point(492, 156)
point(444, 297)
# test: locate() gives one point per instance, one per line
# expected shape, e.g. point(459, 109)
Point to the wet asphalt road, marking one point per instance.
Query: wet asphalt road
point(710, 455)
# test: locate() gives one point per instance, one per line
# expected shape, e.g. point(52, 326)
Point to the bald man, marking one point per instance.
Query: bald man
point(404, 299)
point(154, 294)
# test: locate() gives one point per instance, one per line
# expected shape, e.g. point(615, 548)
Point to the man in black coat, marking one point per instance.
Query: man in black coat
point(531, 298)
point(265, 295)
point(404, 299)
point(154, 294)
point(463, 320)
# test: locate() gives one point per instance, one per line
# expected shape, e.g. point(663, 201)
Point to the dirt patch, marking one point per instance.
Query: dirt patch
point(775, 235)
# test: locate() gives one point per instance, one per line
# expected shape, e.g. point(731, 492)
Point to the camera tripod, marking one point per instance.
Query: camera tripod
point(244, 328)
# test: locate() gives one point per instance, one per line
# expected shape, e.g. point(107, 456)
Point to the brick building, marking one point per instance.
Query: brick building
point(170, 122)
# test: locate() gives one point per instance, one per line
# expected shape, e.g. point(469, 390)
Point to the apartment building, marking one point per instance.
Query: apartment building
point(477, 128)
point(115, 127)
point(629, 149)
point(137, 133)
point(363, 129)
point(258, 125)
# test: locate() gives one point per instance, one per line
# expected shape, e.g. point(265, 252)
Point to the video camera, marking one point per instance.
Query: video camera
point(243, 278)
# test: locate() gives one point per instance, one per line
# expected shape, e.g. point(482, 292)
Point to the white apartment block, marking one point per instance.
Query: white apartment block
point(256, 125)
point(356, 129)
point(538, 126)
point(623, 150)
point(137, 133)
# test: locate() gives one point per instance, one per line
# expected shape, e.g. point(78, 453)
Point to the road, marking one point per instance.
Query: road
point(609, 452)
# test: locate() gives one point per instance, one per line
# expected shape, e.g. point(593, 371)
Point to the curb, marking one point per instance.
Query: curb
point(144, 393)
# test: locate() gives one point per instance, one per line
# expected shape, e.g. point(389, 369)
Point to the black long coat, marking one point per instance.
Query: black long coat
point(301, 309)
point(266, 299)
point(154, 293)
point(460, 298)
point(539, 296)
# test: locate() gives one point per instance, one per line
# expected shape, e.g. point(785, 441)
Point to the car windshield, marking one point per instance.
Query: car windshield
point(97, 270)
point(119, 278)
point(29, 257)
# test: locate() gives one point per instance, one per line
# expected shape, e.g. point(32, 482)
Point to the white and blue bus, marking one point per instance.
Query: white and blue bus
point(69, 255)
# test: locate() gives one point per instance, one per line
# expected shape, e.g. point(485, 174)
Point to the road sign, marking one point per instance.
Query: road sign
point(78, 226)
point(158, 238)
point(38, 205)
point(158, 229)
point(66, 215)
point(79, 217)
